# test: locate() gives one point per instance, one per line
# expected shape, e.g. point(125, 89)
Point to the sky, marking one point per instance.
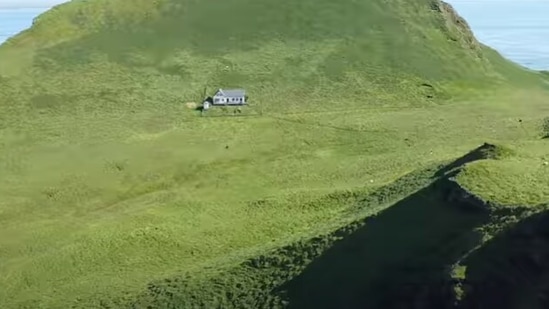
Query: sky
point(16, 4)
point(49, 3)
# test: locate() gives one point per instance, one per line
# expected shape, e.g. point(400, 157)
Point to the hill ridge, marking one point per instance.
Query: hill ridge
point(286, 277)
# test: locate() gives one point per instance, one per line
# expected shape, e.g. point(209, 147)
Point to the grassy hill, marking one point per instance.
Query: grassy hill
point(166, 51)
point(115, 194)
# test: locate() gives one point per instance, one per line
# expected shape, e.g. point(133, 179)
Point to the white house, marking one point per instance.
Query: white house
point(230, 97)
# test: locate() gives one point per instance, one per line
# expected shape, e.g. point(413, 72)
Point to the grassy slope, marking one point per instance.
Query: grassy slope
point(515, 181)
point(108, 182)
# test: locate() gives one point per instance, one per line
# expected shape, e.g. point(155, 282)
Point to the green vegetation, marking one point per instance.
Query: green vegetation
point(518, 180)
point(333, 182)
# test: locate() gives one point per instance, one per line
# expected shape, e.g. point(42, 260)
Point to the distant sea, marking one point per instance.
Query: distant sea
point(519, 30)
point(13, 21)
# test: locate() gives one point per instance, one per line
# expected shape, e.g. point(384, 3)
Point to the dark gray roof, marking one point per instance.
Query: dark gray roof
point(233, 93)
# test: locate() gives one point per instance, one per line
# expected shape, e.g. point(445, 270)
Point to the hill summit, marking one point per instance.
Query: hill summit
point(85, 54)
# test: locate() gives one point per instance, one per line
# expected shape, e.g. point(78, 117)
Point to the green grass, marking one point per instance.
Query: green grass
point(108, 182)
point(517, 180)
point(145, 206)
point(509, 270)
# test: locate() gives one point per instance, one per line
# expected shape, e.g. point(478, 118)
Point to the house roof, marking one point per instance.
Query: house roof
point(233, 93)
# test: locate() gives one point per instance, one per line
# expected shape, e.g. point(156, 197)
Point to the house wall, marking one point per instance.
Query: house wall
point(219, 100)
point(229, 101)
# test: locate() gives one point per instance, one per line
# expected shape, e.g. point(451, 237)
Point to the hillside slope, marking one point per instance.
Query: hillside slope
point(84, 55)
point(115, 192)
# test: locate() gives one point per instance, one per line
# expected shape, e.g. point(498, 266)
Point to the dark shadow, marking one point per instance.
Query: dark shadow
point(200, 107)
point(512, 270)
point(484, 151)
point(400, 258)
point(209, 100)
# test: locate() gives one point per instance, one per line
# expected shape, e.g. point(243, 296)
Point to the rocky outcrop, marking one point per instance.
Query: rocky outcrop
point(456, 27)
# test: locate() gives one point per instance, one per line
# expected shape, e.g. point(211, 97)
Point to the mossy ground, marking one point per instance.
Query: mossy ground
point(108, 182)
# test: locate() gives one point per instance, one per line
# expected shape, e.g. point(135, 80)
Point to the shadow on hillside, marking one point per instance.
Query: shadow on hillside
point(511, 270)
point(483, 151)
point(400, 258)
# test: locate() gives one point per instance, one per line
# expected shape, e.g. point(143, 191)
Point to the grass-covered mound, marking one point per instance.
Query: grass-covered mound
point(519, 177)
point(110, 184)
